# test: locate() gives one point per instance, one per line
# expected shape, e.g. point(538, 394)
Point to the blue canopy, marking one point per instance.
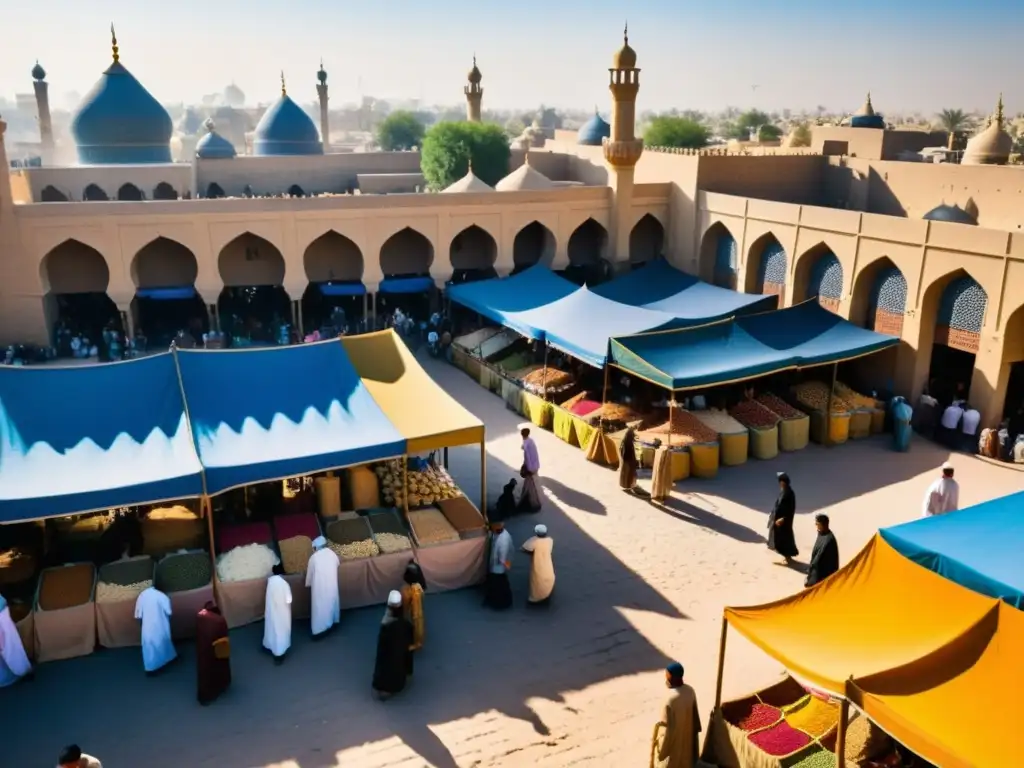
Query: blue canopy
point(342, 289)
point(167, 294)
point(92, 437)
point(662, 287)
point(582, 323)
point(496, 298)
point(406, 284)
point(979, 547)
point(272, 413)
point(746, 347)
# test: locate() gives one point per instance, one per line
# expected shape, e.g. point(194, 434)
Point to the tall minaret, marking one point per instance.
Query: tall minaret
point(42, 89)
point(321, 91)
point(474, 93)
point(622, 149)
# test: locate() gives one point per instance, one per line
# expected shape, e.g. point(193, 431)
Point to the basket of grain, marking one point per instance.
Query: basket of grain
point(186, 577)
point(351, 539)
point(430, 528)
point(118, 586)
point(65, 618)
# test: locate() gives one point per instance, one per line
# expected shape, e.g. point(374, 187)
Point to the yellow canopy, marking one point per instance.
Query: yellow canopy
point(427, 416)
point(958, 707)
point(880, 612)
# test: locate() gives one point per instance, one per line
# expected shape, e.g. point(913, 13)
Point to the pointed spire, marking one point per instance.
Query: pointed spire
point(470, 165)
point(867, 104)
point(474, 58)
point(999, 112)
point(284, 90)
point(113, 43)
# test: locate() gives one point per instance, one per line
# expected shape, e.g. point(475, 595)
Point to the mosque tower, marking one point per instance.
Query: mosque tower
point(474, 93)
point(42, 89)
point(321, 91)
point(622, 149)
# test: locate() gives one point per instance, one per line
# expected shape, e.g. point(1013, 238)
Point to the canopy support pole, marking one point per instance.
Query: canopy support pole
point(828, 412)
point(844, 715)
point(444, 458)
point(544, 376)
point(721, 663)
point(604, 389)
point(483, 478)
point(206, 508)
point(405, 485)
point(671, 405)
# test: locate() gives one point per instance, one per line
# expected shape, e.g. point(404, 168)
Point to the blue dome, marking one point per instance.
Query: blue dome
point(213, 146)
point(119, 122)
point(38, 73)
point(593, 131)
point(867, 121)
point(953, 214)
point(285, 129)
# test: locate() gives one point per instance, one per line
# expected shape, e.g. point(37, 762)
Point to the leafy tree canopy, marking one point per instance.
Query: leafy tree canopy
point(400, 130)
point(668, 131)
point(801, 136)
point(751, 120)
point(449, 147)
point(768, 132)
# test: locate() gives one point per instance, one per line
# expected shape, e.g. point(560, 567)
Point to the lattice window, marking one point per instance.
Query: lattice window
point(725, 260)
point(827, 278)
point(773, 268)
point(963, 306)
point(890, 294)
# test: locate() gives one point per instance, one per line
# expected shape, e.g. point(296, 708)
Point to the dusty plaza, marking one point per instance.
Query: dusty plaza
point(578, 684)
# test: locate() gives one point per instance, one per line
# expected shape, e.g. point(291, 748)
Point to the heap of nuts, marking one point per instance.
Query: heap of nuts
point(356, 550)
point(779, 407)
point(815, 395)
point(389, 543)
point(753, 415)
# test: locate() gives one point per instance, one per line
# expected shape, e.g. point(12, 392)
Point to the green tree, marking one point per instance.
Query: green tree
point(668, 131)
point(751, 120)
point(449, 147)
point(801, 136)
point(954, 120)
point(768, 132)
point(514, 127)
point(400, 130)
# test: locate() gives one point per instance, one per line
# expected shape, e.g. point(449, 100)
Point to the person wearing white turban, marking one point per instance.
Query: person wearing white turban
point(322, 579)
point(542, 569)
point(393, 666)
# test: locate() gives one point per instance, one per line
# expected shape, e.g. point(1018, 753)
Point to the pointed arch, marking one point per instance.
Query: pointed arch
point(961, 313)
point(296, 191)
point(214, 190)
point(473, 248)
point(333, 257)
point(767, 267)
point(407, 252)
point(51, 194)
point(164, 263)
point(588, 244)
point(130, 192)
point(646, 240)
point(94, 193)
point(719, 256)
point(819, 275)
point(74, 267)
point(533, 244)
point(249, 260)
point(878, 299)
point(164, 191)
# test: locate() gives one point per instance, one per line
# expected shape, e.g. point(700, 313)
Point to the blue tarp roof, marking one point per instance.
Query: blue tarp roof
point(662, 287)
point(746, 347)
point(582, 323)
point(92, 437)
point(496, 298)
point(406, 284)
point(272, 413)
point(979, 547)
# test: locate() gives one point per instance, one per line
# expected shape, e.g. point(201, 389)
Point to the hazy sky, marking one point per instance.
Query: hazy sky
point(911, 54)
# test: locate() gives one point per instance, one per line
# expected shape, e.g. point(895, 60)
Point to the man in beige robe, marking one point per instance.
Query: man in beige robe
point(676, 735)
point(542, 569)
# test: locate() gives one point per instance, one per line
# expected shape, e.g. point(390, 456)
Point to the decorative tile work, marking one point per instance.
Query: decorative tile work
point(963, 306)
point(772, 270)
point(726, 261)
point(827, 279)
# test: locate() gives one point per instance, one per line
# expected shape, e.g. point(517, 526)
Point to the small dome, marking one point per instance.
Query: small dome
point(469, 183)
point(213, 146)
point(524, 178)
point(38, 73)
point(953, 214)
point(475, 76)
point(865, 117)
point(190, 122)
point(594, 131)
point(285, 129)
point(119, 121)
point(992, 146)
point(625, 57)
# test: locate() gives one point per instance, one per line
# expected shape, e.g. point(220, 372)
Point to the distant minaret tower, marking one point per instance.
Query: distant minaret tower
point(42, 89)
point(321, 91)
point(622, 149)
point(474, 93)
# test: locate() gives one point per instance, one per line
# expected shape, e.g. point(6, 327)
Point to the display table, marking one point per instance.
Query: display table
point(764, 443)
point(585, 431)
point(184, 608)
point(369, 580)
point(512, 394)
point(241, 602)
point(452, 565)
point(116, 625)
point(300, 595)
point(537, 410)
point(66, 632)
point(704, 460)
point(564, 426)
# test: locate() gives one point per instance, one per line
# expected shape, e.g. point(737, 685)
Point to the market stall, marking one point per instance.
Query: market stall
point(64, 617)
point(465, 350)
point(762, 426)
point(118, 586)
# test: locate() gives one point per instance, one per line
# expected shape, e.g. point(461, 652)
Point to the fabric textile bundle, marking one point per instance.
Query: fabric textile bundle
point(661, 480)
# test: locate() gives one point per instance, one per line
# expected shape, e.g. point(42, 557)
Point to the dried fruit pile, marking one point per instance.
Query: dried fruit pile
point(389, 543)
point(813, 716)
point(614, 414)
point(424, 487)
point(856, 399)
point(355, 550)
point(431, 527)
point(815, 395)
point(778, 406)
point(685, 429)
point(753, 415)
point(118, 593)
point(66, 587)
point(16, 564)
point(720, 422)
point(182, 572)
point(547, 380)
point(780, 740)
point(295, 553)
point(248, 562)
point(750, 714)
point(864, 740)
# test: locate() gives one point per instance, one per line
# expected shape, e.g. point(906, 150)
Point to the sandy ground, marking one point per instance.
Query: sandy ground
point(578, 684)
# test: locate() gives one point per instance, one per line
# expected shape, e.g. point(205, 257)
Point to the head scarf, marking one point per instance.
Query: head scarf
point(414, 575)
point(675, 672)
point(541, 530)
point(394, 599)
point(319, 542)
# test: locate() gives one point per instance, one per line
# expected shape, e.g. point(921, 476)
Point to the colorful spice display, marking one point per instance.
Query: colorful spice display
point(864, 740)
point(815, 395)
point(684, 428)
point(856, 399)
point(431, 527)
point(750, 714)
point(778, 406)
point(753, 415)
point(390, 543)
point(813, 757)
point(780, 740)
point(720, 422)
point(549, 380)
point(813, 716)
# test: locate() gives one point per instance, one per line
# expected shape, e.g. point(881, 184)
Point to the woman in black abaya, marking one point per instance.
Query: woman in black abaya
point(780, 521)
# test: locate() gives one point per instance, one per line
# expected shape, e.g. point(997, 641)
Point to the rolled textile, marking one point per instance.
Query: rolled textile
point(661, 480)
point(602, 450)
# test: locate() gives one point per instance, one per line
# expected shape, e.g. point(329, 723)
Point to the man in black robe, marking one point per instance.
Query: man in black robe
point(394, 650)
point(213, 654)
point(780, 521)
point(825, 555)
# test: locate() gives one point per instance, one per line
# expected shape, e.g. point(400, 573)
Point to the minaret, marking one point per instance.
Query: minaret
point(6, 196)
point(42, 89)
point(622, 149)
point(474, 93)
point(321, 91)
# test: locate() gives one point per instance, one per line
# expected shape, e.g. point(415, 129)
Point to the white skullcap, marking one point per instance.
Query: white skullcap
point(946, 465)
point(395, 599)
point(541, 529)
point(319, 542)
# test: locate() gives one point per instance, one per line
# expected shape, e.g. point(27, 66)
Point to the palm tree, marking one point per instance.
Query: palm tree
point(954, 121)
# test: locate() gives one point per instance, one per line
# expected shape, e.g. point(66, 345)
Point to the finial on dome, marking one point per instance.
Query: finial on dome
point(868, 102)
point(625, 33)
point(284, 90)
point(209, 125)
point(113, 43)
point(999, 111)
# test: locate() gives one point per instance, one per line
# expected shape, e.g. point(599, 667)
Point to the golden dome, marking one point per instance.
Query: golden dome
point(993, 145)
point(625, 57)
point(475, 75)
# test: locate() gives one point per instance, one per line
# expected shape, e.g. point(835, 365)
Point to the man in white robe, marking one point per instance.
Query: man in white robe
point(277, 625)
point(153, 608)
point(322, 579)
point(943, 495)
point(14, 663)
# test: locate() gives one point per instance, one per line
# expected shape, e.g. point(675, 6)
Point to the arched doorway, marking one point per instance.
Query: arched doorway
point(820, 276)
point(1011, 374)
point(533, 244)
point(254, 308)
point(335, 297)
point(94, 193)
point(587, 251)
point(879, 298)
point(405, 260)
point(166, 306)
point(296, 191)
point(958, 306)
point(82, 316)
point(646, 241)
point(769, 266)
point(51, 194)
point(130, 192)
point(719, 256)
point(472, 255)
point(164, 191)
point(214, 190)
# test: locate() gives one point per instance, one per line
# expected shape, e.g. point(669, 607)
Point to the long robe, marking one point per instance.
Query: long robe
point(153, 607)
point(676, 744)
point(627, 461)
point(212, 672)
point(542, 568)
point(14, 663)
point(529, 498)
point(824, 558)
point(277, 622)
point(412, 609)
point(325, 599)
point(394, 654)
point(780, 537)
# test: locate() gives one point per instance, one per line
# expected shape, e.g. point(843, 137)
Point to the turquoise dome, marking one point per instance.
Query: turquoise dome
point(593, 131)
point(120, 123)
point(865, 117)
point(213, 146)
point(285, 129)
point(953, 214)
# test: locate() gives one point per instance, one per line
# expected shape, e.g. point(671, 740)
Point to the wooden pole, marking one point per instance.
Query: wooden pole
point(206, 507)
point(604, 390)
point(844, 714)
point(545, 374)
point(405, 484)
point(483, 478)
point(721, 662)
point(828, 411)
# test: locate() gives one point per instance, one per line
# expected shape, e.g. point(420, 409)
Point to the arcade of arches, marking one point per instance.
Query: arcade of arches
point(646, 241)
point(719, 257)
point(335, 296)
point(533, 244)
point(587, 251)
point(254, 307)
point(166, 306)
point(819, 275)
point(768, 268)
point(407, 253)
